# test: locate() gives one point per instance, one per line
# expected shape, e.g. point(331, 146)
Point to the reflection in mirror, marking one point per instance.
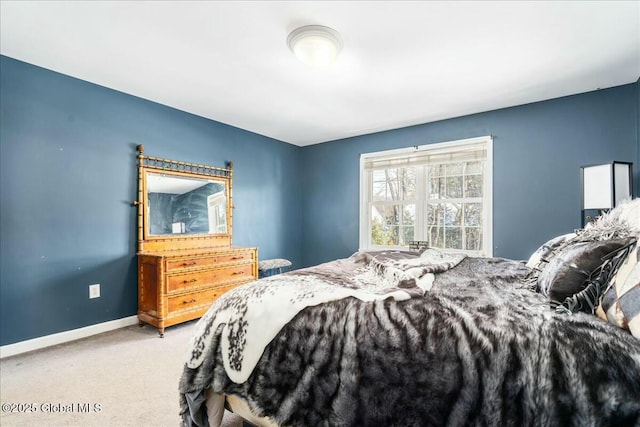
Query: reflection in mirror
point(179, 205)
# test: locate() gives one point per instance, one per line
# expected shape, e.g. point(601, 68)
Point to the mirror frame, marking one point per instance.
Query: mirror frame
point(161, 242)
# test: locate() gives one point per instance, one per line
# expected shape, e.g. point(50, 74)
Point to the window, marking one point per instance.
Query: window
point(440, 193)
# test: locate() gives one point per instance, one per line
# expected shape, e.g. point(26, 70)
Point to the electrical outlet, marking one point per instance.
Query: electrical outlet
point(94, 291)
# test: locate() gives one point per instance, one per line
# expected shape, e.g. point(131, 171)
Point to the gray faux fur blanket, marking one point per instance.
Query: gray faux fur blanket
point(480, 348)
point(253, 314)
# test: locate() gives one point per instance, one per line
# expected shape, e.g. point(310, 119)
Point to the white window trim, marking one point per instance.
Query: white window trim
point(488, 186)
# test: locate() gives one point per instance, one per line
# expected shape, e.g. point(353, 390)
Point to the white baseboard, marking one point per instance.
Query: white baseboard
point(66, 336)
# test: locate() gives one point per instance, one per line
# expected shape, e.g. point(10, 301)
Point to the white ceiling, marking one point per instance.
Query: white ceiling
point(403, 63)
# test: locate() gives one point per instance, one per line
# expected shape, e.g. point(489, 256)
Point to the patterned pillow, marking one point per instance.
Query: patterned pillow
point(620, 303)
point(544, 253)
point(567, 272)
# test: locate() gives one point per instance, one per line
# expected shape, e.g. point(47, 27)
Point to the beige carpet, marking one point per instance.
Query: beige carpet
point(127, 377)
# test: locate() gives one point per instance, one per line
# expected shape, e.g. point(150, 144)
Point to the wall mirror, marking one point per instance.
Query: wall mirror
point(185, 205)
point(182, 201)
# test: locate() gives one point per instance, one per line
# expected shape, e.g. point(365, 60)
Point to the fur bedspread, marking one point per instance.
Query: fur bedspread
point(480, 348)
point(253, 314)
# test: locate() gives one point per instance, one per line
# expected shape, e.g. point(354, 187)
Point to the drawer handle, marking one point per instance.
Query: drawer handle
point(236, 257)
point(235, 273)
point(190, 301)
point(190, 281)
point(187, 264)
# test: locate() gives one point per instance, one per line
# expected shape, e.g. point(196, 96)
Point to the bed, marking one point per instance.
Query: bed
point(430, 338)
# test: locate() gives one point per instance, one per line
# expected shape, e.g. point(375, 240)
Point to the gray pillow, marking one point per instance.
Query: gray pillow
point(567, 272)
point(545, 252)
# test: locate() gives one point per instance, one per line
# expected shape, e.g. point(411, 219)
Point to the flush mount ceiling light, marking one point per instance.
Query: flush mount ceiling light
point(315, 45)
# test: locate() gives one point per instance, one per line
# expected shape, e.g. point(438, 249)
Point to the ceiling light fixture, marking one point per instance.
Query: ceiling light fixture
point(315, 45)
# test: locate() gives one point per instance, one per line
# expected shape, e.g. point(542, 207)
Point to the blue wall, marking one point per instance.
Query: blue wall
point(538, 150)
point(68, 177)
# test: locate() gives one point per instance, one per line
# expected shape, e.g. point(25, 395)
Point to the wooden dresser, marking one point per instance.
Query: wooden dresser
point(177, 286)
point(185, 257)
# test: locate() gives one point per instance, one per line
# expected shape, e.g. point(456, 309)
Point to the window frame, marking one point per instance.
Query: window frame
point(421, 198)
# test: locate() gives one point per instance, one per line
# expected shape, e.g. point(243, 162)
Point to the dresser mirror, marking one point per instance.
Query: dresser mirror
point(182, 204)
point(178, 205)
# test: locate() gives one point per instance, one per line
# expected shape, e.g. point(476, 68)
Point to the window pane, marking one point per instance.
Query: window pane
point(436, 237)
point(378, 231)
point(385, 221)
point(435, 214)
point(379, 185)
point(473, 214)
point(453, 214)
point(378, 175)
point(407, 234)
point(409, 215)
point(391, 174)
point(393, 237)
point(383, 233)
point(473, 167)
point(473, 239)
point(454, 169)
point(449, 214)
point(454, 187)
point(473, 186)
point(436, 170)
point(389, 214)
point(392, 190)
point(436, 188)
point(394, 184)
point(379, 191)
point(408, 183)
point(453, 238)
point(377, 216)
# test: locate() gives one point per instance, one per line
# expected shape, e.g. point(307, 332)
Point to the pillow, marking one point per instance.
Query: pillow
point(621, 221)
point(544, 253)
point(628, 211)
point(620, 303)
point(566, 273)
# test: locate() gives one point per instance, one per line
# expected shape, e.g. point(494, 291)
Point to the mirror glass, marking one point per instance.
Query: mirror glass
point(185, 205)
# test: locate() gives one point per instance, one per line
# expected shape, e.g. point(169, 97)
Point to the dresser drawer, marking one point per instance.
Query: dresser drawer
point(198, 279)
point(223, 258)
point(197, 299)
